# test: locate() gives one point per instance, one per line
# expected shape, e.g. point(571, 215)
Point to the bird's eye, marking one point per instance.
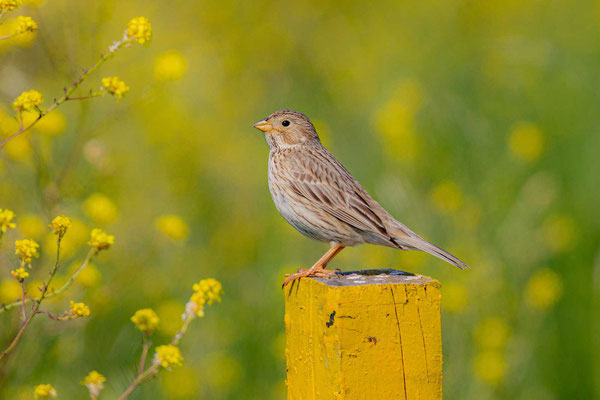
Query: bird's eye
point(285, 123)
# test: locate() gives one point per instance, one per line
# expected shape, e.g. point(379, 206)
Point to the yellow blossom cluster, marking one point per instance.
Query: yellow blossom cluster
point(146, 320)
point(100, 240)
point(139, 29)
point(115, 86)
point(79, 309)
point(28, 100)
point(9, 5)
point(44, 392)
point(19, 274)
point(206, 292)
point(94, 381)
point(26, 249)
point(167, 356)
point(60, 225)
point(6, 223)
point(25, 24)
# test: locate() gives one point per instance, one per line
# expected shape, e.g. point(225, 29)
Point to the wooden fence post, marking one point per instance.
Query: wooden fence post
point(364, 336)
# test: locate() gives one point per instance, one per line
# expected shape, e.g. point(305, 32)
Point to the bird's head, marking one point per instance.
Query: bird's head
point(287, 128)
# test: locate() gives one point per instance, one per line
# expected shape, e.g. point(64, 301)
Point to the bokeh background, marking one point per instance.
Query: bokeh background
point(475, 123)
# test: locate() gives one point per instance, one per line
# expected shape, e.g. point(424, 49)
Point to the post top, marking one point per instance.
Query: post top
point(375, 277)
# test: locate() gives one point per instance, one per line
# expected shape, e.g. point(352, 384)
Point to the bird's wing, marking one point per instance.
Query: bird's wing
point(320, 178)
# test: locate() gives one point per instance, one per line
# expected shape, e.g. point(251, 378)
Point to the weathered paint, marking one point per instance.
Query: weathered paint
point(379, 338)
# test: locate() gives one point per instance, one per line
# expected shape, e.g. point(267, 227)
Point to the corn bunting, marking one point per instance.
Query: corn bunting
point(315, 193)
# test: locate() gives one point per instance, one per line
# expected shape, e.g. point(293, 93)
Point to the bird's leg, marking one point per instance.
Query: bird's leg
point(318, 269)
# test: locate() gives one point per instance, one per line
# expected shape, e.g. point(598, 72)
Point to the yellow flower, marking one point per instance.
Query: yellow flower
point(168, 356)
point(6, 217)
point(454, 297)
point(60, 225)
point(492, 333)
point(44, 392)
point(94, 381)
point(100, 209)
point(28, 100)
point(446, 197)
point(543, 289)
point(32, 226)
point(25, 24)
point(171, 66)
point(490, 367)
point(140, 30)
point(9, 5)
point(115, 86)
point(100, 240)
point(10, 291)
point(19, 274)
point(172, 226)
point(206, 292)
point(79, 309)
point(526, 141)
point(145, 320)
point(26, 249)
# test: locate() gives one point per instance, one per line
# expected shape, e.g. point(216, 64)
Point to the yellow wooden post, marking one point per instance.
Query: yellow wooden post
point(364, 337)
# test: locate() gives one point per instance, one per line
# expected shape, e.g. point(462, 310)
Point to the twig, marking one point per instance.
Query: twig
point(36, 305)
point(145, 347)
point(67, 92)
point(23, 302)
point(152, 371)
point(56, 292)
point(147, 375)
point(54, 317)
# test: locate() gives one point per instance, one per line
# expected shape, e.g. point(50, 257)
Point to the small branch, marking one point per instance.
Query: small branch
point(23, 302)
point(54, 317)
point(56, 292)
point(36, 305)
point(152, 371)
point(145, 347)
point(67, 92)
point(9, 36)
point(145, 376)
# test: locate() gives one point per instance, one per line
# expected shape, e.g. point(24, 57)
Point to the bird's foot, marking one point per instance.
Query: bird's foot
point(315, 270)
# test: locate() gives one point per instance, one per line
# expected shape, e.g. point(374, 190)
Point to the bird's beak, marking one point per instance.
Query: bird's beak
point(263, 125)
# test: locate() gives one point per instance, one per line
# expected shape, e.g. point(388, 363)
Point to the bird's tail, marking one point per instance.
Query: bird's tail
point(418, 243)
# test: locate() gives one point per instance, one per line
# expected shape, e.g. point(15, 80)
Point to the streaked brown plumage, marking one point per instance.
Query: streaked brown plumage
point(315, 193)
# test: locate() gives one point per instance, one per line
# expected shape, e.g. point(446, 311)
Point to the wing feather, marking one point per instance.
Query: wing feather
point(321, 179)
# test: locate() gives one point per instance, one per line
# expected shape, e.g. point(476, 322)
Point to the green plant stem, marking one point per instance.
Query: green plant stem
point(56, 292)
point(145, 347)
point(23, 301)
point(145, 376)
point(66, 96)
point(153, 370)
point(36, 305)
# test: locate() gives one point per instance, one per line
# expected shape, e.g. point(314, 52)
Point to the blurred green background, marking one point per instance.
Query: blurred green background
point(475, 123)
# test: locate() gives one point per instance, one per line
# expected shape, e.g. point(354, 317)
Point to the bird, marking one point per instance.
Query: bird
point(317, 195)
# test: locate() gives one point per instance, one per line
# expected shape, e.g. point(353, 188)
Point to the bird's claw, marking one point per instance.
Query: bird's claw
point(305, 273)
